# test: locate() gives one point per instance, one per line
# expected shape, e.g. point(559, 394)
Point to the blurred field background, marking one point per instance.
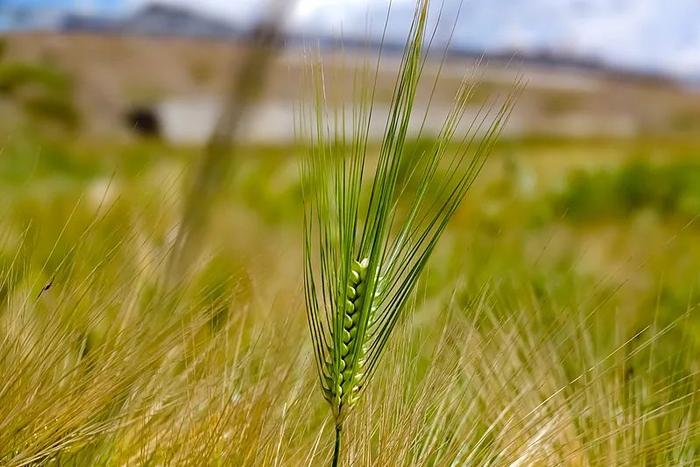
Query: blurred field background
point(556, 324)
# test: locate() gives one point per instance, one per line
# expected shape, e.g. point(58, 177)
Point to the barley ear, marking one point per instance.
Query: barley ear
point(362, 259)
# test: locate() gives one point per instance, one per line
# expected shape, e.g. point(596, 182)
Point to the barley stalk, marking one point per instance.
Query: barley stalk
point(363, 259)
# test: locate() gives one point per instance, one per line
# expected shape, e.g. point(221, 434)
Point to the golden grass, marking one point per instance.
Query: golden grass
point(96, 372)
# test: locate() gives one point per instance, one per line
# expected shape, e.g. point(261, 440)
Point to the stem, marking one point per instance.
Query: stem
point(336, 451)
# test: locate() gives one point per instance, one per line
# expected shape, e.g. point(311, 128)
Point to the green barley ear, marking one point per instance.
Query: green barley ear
point(363, 259)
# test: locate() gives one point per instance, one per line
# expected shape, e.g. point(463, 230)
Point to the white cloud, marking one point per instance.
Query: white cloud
point(661, 34)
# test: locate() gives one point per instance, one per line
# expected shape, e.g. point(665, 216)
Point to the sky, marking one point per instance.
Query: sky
point(658, 35)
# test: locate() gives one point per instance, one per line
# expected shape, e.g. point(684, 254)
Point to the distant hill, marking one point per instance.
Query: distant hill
point(166, 20)
point(154, 20)
point(179, 80)
point(647, 35)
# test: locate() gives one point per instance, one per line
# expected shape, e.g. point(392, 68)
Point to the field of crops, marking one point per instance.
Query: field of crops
point(555, 322)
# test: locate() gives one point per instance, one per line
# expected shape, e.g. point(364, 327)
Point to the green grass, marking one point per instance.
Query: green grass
point(534, 336)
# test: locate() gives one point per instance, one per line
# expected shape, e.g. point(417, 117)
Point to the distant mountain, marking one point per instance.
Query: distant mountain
point(656, 35)
point(154, 20)
point(87, 23)
point(540, 32)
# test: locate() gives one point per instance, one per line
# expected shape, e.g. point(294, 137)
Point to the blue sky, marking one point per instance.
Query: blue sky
point(102, 6)
point(661, 35)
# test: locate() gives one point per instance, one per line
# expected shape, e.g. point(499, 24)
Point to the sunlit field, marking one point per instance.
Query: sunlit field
point(555, 323)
